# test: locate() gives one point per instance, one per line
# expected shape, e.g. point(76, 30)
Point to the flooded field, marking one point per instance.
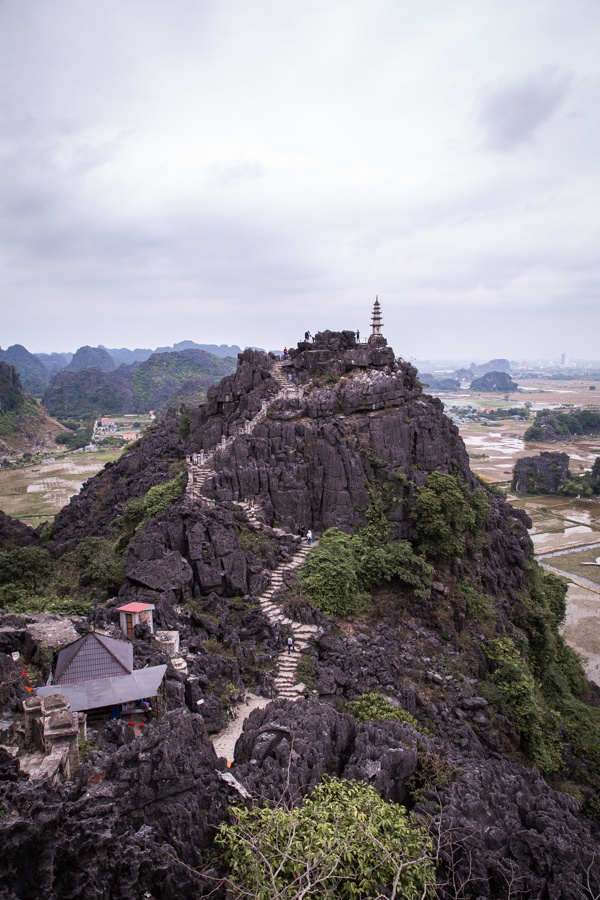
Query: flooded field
point(34, 494)
point(566, 530)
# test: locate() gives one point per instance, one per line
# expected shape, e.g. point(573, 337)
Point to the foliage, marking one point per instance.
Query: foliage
point(479, 606)
point(85, 747)
point(27, 567)
point(372, 707)
point(534, 721)
point(78, 438)
point(12, 395)
point(341, 572)
point(550, 425)
point(305, 670)
point(184, 426)
point(31, 581)
point(344, 842)
point(329, 575)
point(99, 564)
point(140, 509)
point(443, 511)
point(20, 600)
point(431, 774)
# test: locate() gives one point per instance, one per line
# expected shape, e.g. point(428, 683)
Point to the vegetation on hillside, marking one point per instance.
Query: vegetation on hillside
point(340, 574)
point(343, 842)
point(494, 382)
point(152, 384)
point(33, 374)
point(12, 395)
point(31, 581)
point(444, 510)
point(550, 425)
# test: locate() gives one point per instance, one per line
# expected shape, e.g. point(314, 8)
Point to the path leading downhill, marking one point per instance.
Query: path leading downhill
point(285, 678)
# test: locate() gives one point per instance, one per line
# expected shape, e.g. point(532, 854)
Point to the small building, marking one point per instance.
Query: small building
point(133, 614)
point(95, 655)
point(96, 671)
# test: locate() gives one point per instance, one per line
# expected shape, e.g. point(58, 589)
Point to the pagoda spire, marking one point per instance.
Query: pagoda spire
point(376, 337)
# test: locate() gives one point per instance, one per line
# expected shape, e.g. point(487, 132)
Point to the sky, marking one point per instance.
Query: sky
point(239, 172)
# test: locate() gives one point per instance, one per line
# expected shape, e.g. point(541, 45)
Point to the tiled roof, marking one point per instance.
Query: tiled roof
point(108, 691)
point(93, 656)
point(135, 607)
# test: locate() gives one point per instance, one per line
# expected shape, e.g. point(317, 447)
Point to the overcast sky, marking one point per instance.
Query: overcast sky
point(239, 171)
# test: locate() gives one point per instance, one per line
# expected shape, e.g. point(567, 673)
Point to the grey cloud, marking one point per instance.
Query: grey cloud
point(234, 172)
point(510, 114)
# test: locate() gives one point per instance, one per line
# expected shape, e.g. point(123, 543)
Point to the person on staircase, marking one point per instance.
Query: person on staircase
point(290, 644)
point(309, 537)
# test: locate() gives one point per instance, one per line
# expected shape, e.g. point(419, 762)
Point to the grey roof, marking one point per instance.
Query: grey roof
point(109, 691)
point(92, 656)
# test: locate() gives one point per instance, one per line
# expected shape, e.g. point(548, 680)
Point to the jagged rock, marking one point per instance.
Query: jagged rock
point(14, 533)
point(122, 826)
point(503, 828)
point(286, 747)
point(543, 474)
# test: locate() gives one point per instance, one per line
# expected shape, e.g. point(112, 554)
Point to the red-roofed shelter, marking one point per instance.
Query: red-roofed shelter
point(132, 614)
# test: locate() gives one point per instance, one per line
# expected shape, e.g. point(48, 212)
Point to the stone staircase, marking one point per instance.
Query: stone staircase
point(285, 679)
point(198, 474)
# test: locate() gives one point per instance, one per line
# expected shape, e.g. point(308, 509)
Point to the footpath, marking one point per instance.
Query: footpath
point(285, 679)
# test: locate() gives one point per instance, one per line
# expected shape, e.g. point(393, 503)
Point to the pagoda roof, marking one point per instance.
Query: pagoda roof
point(93, 656)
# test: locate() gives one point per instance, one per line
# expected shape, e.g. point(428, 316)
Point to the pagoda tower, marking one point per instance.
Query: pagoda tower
point(376, 337)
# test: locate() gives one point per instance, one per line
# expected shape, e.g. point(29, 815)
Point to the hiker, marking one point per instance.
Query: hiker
point(357, 336)
point(307, 335)
point(290, 644)
point(309, 537)
point(285, 352)
point(302, 531)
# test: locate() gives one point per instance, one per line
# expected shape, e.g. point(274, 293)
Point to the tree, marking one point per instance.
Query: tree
point(444, 510)
point(343, 842)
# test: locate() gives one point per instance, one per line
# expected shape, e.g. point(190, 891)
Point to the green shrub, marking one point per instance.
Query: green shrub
point(329, 575)
point(26, 567)
point(479, 607)
point(536, 724)
point(443, 511)
point(343, 842)
point(305, 670)
point(140, 509)
point(98, 564)
point(372, 707)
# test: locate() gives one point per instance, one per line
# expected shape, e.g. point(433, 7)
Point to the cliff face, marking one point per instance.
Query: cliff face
point(348, 414)
point(308, 440)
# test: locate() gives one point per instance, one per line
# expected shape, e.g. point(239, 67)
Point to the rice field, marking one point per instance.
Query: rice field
point(34, 494)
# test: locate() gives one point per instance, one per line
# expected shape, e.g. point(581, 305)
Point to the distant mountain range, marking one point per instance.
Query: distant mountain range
point(24, 424)
point(165, 379)
point(36, 370)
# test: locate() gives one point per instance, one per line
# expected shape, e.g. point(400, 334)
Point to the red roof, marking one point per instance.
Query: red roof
point(135, 607)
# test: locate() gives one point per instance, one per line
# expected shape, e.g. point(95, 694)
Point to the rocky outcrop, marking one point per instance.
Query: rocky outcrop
point(543, 474)
point(14, 533)
point(499, 826)
point(497, 382)
point(136, 819)
point(104, 498)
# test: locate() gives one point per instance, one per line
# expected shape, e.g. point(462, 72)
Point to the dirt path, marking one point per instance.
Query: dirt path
point(224, 742)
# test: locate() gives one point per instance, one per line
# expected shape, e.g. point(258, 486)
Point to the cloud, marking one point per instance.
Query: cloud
point(510, 114)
